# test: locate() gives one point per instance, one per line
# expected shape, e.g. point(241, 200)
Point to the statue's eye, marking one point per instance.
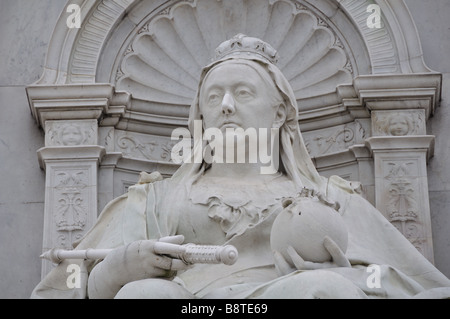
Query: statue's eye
point(243, 93)
point(213, 98)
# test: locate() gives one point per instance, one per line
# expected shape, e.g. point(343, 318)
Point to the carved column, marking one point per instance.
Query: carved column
point(400, 108)
point(69, 116)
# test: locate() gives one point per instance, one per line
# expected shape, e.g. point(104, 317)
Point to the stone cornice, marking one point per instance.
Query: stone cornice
point(76, 102)
point(372, 93)
point(400, 91)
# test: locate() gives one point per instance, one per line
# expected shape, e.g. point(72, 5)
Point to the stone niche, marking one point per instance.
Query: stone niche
point(114, 89)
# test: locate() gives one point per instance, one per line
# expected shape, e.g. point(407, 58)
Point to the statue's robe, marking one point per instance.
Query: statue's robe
point(156, 209)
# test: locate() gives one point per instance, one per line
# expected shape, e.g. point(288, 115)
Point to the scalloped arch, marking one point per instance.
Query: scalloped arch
point(164, 57)
point(73, 55)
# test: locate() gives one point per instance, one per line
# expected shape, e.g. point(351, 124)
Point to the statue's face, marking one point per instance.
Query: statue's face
point(398, 126)
point(235, 95)
point(71, 136)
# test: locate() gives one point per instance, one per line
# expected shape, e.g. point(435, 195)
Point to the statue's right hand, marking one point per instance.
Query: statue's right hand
point(139, 260)
point(135, 261)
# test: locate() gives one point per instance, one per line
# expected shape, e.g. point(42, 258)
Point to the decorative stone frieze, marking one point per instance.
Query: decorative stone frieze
point(398, 123)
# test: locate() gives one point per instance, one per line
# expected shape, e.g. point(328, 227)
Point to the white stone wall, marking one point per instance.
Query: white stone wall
point(26, 27)
point(431, 18)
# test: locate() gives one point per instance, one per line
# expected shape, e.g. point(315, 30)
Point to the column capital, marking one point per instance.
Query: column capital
point(76, 102)
point(400, 91)
point(70, 154)
point(391, 144)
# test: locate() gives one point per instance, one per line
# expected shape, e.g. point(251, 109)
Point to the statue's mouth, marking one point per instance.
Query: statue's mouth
point(229, 124)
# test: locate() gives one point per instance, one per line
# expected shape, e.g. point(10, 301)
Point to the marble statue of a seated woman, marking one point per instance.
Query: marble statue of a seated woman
point(218, 202)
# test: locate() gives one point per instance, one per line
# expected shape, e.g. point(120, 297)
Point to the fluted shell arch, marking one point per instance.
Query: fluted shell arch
point(161, 62)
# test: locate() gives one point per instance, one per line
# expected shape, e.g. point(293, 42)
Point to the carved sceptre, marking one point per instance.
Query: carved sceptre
point(188, 253)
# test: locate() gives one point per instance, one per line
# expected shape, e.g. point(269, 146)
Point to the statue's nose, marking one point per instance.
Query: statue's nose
point(228, 106)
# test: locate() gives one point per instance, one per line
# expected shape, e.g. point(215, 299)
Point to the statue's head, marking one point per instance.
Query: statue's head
point(399, 125)
point(243, 87)
point(71, 135)
point(240, 93)
point(244, 84)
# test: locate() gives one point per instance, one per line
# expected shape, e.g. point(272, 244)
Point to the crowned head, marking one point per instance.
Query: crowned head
point(245, 46)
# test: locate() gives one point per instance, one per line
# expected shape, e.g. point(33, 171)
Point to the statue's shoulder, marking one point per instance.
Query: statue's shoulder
point(350, 187)
point(148, 182)
point(153, 186)
point(147, 178)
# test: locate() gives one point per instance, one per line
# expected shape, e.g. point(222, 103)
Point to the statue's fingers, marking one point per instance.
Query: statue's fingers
point(336, 253)
point(301, 264)
point(162, 262)
point(168, 263)
point(281, 265)
point(298, 261)
point(178, 264)
point(177, 239)
point(163, 248)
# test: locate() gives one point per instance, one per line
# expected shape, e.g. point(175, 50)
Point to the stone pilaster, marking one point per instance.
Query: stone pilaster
point(400, 107)
point(401, 186)
point(70, 117)
point(70, 194)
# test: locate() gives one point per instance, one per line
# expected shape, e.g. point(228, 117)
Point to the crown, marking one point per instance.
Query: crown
point(242, 45)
